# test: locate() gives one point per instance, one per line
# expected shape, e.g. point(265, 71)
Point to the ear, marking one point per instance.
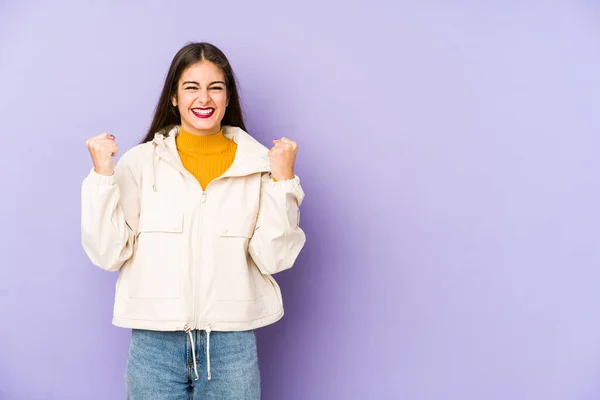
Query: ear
point(174, 101)
point(227, 104)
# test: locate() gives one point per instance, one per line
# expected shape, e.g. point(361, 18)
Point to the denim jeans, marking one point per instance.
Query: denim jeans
point(160, 366)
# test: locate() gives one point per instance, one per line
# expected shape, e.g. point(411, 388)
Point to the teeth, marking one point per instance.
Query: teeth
point(203, 112)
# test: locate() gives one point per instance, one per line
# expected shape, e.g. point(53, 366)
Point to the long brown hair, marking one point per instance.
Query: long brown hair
point(166, 115)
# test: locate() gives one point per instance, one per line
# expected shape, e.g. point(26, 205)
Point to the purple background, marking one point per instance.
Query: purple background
point(449, 153)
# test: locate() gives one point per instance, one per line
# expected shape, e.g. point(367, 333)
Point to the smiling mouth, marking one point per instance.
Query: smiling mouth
point(203, 112)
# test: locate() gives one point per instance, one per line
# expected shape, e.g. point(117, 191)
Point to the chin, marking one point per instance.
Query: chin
point(213, 128)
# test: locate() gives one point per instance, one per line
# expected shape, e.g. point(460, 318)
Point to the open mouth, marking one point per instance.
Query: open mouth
point(203, 112)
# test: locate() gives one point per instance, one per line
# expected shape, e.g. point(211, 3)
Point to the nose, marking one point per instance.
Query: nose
point(203, 96)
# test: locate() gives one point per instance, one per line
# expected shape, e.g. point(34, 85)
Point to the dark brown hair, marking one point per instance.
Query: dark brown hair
point(166, 115)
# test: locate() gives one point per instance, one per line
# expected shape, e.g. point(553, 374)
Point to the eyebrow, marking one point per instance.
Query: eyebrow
point(196, 83)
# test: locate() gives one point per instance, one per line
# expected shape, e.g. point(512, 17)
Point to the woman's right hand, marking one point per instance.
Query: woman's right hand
point(103, 148)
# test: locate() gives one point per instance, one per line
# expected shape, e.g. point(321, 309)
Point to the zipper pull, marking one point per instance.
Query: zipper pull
point(203, 196)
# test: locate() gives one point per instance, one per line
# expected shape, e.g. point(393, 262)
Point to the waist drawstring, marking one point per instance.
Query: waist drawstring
point(208, 374)
point(194, 355)
point(208, 353)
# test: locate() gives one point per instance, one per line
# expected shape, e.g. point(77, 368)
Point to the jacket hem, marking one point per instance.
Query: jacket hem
point(226, 326)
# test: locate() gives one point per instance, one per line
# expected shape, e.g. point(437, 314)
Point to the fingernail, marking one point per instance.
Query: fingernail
point(112, 136)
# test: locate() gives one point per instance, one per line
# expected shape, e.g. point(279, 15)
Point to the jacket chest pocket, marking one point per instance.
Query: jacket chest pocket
point(237, 280)
point(157, 265)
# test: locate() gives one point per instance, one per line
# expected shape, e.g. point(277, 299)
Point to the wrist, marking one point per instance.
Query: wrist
point(283, 178)
point(104, 172)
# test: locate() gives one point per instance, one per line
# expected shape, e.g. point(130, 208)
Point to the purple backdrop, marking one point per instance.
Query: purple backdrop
point(448, 153)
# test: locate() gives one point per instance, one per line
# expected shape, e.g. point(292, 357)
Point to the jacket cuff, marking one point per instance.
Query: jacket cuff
point(101, 180)
point(290, 186)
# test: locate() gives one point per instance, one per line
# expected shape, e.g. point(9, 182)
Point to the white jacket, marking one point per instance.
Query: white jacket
point(188, 258)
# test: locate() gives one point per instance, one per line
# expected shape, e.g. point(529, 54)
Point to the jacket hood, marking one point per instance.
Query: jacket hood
point(251, 156)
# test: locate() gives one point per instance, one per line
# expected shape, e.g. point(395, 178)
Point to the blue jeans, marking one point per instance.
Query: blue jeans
point(160, 366)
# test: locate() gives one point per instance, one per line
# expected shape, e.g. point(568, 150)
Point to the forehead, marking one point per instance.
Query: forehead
point(204, 71)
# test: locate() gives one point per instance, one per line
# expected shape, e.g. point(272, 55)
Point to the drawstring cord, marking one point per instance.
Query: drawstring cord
point(154, 158)
point(193, 355)
point(208, 374)
point(208, 352)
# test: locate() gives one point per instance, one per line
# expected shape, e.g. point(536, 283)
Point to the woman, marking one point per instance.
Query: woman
point(196, 219)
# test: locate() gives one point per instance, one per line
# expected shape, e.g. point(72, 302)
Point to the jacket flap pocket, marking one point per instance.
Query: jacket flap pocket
point(162, 222)
point(234, 226)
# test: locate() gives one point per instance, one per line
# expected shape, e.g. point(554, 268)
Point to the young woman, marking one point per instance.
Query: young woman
point(196, 219)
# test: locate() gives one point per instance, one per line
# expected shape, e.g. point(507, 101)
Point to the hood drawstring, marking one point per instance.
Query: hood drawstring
point(194, 355)
point(154, 159)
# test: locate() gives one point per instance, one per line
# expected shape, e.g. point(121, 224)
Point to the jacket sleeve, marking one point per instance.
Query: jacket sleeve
point(109, 216)
point(278, 238)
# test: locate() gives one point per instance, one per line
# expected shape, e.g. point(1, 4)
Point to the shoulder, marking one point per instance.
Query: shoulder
point(248, 147)
point(135, 157)
point(241, 137)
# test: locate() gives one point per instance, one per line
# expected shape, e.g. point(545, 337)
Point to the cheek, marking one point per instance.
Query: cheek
point(222, 102)
point(184, 101)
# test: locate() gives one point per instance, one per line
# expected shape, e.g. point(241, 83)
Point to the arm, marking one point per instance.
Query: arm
point(278, 238)
point(109, 216)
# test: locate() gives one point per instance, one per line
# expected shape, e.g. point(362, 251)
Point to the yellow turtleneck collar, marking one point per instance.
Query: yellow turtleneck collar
point(190, 143)
point(206, 157)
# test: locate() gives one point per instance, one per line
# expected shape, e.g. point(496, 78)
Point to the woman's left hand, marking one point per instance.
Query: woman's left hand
point(283, 158)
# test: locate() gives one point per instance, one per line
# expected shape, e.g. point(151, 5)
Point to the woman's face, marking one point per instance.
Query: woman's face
point(201, 98)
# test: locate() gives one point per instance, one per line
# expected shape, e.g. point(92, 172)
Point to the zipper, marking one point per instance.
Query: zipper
point(193, 325)
point(198, 250)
